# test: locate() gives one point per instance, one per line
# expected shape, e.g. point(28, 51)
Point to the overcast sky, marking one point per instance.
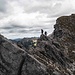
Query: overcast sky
point(25, 18)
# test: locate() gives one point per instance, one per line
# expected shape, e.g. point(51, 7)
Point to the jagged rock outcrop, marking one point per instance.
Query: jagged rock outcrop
point(64, 34)
point(15, 61)
point(59, 47)
point(52, 56)
point(11, 57)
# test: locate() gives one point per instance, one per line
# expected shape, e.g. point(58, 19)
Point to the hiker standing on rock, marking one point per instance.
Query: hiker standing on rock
point(41, 31)
point(45, 33)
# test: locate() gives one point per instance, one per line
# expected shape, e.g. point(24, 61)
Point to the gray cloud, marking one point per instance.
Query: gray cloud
point(2, 5)
point(11, 27)
point(29, 16)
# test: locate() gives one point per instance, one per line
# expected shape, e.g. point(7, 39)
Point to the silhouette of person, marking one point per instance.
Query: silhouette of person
point(45, 33)
point(41, 31)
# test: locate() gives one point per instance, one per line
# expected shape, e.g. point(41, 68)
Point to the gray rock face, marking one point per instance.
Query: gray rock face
point(58, 49)
point(11, 57)
point(64, 34)
point(32, 66)
point(15, 61)
point(52, 56)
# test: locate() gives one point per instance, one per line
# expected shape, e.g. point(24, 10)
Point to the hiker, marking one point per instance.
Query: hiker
point(41, 31)
point(45, 33)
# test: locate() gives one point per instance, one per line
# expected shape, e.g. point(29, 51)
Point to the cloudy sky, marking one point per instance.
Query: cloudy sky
point(25, 18)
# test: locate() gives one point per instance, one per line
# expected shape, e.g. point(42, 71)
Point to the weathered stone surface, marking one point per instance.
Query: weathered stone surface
point(15, 61)
point(52, 56)
point(64, 34)
point(11, 57)
point(59, 47)
point(32, 66)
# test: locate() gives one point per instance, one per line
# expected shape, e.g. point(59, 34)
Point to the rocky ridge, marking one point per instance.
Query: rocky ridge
point(53, 54)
